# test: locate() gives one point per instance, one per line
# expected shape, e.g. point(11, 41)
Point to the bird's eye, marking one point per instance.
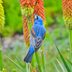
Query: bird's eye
point(36, 17)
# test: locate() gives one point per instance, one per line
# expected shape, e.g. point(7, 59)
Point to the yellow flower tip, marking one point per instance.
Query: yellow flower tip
point(1, 1)
point(2, 18)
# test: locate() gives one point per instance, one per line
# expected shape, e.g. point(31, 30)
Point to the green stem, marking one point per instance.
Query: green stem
point(27, 67)
point(70, 34)
point(1, 60)
point(33, 63)
point(39, 62)
point(43, 61)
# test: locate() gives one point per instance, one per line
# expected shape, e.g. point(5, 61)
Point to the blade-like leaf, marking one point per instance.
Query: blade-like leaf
point(38, 61)
point(60, 65)
point(17, 65)
point(69, 62)
point(19, 62)
point(62, 58)
point(56, 68)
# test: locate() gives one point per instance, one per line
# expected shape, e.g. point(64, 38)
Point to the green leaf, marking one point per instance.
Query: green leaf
point(62, 58)
point(69, 62)
point(16, 64)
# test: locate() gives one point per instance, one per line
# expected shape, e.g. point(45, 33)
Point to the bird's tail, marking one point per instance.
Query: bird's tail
point(29, 55)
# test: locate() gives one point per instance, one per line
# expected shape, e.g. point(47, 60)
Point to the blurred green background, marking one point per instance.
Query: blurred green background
point(14, 48)
point(13, 18)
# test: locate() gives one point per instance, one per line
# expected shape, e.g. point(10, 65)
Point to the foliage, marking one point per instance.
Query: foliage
point(13, 20)
point(64, 61)
point(53, 61)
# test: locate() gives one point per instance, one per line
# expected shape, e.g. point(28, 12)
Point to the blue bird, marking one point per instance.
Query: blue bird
point(37, 36)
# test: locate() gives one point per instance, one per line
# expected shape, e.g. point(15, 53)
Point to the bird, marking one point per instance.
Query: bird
point(38, 32)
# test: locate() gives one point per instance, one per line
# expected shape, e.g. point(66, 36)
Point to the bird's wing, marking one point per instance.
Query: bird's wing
point(33, 33)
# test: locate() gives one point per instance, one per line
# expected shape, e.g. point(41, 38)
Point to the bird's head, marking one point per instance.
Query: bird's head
point(38, 20)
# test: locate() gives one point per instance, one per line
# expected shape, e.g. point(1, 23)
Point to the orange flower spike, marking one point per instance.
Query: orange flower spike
point(25, 3)
point(32, 3)
point(40, 2)
point(39, 8)
point(36, 4)
point(26, 31)
point(67, 8)
point(22, 2)
point(67, 12)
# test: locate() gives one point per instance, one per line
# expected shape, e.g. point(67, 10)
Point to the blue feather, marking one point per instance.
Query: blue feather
point(29, 55)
